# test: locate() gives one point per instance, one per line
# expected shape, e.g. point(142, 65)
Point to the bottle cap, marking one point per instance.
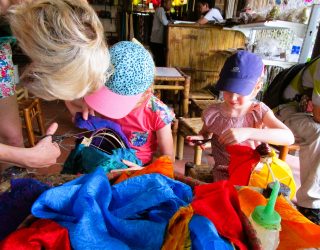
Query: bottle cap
point(266, 216)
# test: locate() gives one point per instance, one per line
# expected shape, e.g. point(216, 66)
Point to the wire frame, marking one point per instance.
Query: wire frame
point(106, 140)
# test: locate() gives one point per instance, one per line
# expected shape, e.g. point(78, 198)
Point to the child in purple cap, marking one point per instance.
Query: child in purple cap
point(240, 119)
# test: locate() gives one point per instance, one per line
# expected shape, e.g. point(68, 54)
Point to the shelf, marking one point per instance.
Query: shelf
point(282, 64)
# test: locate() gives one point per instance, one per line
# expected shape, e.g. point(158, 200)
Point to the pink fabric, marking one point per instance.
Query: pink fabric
point(217, 122)
point(141, 124)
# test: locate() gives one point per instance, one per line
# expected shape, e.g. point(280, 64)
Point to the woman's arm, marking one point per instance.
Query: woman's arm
point(275, 133)
point(44, 154)
point(202, 20)
point(162, 16)
point(165, 141)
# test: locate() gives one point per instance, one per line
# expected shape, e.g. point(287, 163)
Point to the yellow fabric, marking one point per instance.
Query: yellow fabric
point(261, 177)
point(178, 235)
point(297, 232)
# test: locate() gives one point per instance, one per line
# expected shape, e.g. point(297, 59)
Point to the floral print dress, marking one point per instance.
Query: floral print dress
point(7, 86)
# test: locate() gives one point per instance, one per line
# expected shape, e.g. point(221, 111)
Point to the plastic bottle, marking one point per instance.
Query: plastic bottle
point(266, 221)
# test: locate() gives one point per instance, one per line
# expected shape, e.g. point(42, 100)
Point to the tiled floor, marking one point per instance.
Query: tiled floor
point(55, 111)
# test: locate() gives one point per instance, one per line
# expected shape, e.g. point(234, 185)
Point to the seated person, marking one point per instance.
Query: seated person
point(208, 12)
point(240, 119)
point(127, 99)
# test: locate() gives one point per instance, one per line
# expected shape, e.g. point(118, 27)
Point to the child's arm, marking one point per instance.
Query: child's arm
point(275, 133)
point(165, 141)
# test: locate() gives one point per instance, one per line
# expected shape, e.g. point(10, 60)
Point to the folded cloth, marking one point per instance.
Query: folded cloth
point(219, 202)
point(162, 165)
point(42, 234)
point(130, 215)
point(205, 236)
point(15, 205)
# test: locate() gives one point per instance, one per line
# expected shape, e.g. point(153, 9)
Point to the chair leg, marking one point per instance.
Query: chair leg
point(197, 155)
point(29, 128)
point(283, 152)
point(180, 147)
point(40, 118)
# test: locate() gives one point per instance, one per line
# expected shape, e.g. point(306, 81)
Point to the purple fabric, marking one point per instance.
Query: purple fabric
point(95, 123)
point(240, 73)
point(15, 205)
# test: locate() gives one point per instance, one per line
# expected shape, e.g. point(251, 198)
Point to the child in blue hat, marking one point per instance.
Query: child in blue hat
point(128, 100)
point(240, 119)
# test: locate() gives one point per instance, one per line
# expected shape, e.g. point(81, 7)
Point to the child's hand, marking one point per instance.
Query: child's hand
point(79, 105)
point(131, 166)
point(196, 140)
point(234, 136)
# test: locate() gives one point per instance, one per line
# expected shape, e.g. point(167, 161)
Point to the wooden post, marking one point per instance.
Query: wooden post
point(28, 122)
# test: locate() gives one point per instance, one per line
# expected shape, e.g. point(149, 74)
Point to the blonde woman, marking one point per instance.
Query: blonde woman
point(64, 40)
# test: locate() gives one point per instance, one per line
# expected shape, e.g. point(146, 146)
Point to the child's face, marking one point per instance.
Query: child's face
point(203, 8)
point(234, 100)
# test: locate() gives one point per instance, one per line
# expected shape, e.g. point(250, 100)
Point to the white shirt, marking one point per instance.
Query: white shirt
point(159, 21)
point(214, 15)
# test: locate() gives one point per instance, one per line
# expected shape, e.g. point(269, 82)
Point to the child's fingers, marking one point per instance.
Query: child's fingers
point(131, 165)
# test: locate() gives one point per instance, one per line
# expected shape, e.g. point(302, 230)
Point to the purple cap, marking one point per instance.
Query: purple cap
point(240, 73)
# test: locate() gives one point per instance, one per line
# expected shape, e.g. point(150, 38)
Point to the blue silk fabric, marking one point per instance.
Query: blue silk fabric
point(130, 215)
point(204, 235)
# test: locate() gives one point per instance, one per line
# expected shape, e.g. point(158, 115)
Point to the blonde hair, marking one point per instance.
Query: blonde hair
point(65, 42)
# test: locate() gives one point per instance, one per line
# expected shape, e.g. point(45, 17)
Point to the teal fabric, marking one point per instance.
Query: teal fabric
point(84, 159)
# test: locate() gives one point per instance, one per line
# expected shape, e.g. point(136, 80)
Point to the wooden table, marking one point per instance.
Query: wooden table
point(178, 81)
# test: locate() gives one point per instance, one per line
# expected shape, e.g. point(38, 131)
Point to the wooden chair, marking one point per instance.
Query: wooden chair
point(30, 109)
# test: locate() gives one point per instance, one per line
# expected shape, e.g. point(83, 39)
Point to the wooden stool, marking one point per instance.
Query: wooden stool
point(201, 95)
point(197, 106)
point(30, 109)
point(189, 126)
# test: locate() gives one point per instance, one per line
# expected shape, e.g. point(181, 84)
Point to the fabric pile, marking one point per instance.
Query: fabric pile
point(145, 209)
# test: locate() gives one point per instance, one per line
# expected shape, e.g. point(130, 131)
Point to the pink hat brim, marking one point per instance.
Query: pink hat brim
point(110, 104)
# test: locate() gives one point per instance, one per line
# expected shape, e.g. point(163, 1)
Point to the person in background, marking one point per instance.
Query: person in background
point(157, 39)
point(240, 119)
point(65, 41)
point(208, 12)
point(302, 115)
point(127, 99)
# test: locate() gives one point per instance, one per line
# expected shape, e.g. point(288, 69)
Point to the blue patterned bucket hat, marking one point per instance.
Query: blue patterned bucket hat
point(134, 72)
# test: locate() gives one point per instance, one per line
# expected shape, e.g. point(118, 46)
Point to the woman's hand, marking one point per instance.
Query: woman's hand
point(234, 136)
point(79, 105)
point(45, 153)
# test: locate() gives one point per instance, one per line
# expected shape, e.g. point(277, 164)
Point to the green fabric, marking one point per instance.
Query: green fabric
point(87, 159)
